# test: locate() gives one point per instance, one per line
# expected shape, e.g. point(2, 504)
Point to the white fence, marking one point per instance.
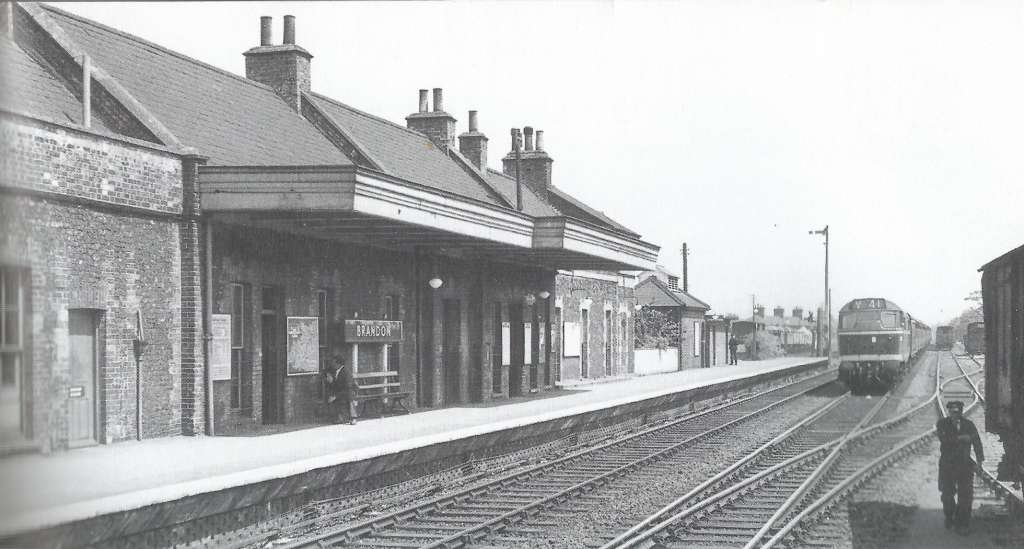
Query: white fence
point(654, 361)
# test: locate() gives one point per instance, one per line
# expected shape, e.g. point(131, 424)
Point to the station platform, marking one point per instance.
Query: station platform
point(115, 489)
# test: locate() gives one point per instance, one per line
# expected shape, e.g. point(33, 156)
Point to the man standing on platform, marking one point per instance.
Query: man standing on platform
point(341, 390)
point(733, 345)
point(957, 435)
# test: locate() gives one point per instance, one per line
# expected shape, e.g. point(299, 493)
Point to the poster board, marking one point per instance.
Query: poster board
point(506, 344)
point(570, 339)
point(542, 332)
point(220, 347)
point(303, 345)
point(527, 340)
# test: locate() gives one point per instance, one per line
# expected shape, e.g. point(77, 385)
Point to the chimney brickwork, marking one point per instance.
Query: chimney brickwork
point(798, 312)
point(285, 67)
point(438, 125)
point(473, 144)
point(535, 164)
point(779, 312)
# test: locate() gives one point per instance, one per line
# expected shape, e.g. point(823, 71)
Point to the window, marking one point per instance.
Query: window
point(238, 298)
point(322, 316)
point(673, 283)
point(888, 319)
point(13, 312)
point(696, 338)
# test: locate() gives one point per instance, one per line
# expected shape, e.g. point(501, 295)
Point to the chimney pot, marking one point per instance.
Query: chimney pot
point(540, 140)
point(266, 33)
point(438, 100)
point(529, 137)
point(472, 121)
point(289, 29)
point(423, 101)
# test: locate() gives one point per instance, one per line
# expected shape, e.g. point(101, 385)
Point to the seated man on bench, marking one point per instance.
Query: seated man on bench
point(341, 390)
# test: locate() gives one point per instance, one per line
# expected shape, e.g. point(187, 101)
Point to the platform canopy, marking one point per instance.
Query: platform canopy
point(356, 205)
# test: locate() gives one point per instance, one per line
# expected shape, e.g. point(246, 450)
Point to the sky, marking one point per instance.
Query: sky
point(734, 127)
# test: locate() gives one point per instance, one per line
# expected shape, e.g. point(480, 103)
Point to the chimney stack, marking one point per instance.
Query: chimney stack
point(266, 30)
point(759, 311)
point(535, 166)
point(473, 144)
point(438, 100)
point(779, 312)
point(424, 101)
point(798, 313)
point(438, 125)
point(289, 29)
point(284, 68)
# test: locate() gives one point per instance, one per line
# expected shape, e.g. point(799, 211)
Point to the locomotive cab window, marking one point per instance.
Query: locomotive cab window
point(888, 319)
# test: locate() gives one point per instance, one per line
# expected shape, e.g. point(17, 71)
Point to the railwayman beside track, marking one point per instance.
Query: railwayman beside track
point(733, 345)
point(341, 390)
point(957, 435)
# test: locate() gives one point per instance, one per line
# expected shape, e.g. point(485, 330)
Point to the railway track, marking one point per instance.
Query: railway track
point(763, 508)
point(816, 525)
point(460, 518)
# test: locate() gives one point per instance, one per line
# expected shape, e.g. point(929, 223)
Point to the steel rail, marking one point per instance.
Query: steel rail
point(470, 534)
point(884, 461)
point(621, 538)
point(638, 535)
point(349, 532)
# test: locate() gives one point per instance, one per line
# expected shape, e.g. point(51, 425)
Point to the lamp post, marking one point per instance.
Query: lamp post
point(828, 302)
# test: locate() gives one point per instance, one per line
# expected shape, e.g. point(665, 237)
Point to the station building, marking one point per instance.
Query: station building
point(184, 247)
point(659, 289)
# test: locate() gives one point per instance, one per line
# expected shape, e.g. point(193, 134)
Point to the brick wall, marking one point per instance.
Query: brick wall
point(575, 292)
point(93, 219)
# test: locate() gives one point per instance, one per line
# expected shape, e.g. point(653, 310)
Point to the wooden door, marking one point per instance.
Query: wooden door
point(82, 377)
point(451, 337)
point(517, 337)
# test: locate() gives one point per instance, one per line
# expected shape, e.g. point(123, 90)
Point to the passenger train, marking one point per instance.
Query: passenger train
point(877, 341)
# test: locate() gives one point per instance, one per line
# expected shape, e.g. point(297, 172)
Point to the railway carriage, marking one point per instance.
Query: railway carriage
point(1002, 290)
point(877, 341)
point(945, 336)
point(974, 339)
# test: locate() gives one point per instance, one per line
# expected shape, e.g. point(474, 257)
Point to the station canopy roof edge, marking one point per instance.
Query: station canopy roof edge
point(356, 205)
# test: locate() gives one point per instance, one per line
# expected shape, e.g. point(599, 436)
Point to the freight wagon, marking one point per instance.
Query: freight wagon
point(945, 337)
point(974, 339)
point(1002, 290)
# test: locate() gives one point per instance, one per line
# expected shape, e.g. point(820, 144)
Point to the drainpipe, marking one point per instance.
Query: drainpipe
point(207, 310)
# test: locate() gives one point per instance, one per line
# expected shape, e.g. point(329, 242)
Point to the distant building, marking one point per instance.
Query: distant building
point(795, 332)
point(660, 290)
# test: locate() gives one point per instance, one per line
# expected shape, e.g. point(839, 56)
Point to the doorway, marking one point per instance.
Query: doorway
point(451, 352)
point(13, 352)
point(585, 343)
point(517, 335)
point(83, 362)
point(270, 354)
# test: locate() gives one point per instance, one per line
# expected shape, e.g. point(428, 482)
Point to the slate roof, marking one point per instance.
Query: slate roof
point(403, 153)
point(532, 204)
point(573, 207)
point(28, 88)
point(236, 121)
point(230, 119)
point(656, 293)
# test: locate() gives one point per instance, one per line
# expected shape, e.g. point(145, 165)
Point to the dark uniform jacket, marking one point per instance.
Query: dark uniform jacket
point(955, 449)
point(342, 384)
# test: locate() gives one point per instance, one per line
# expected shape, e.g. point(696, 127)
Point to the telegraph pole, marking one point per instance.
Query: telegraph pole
point(753, 323)
point(828, 301)
point(686, 279)
point(517, 147)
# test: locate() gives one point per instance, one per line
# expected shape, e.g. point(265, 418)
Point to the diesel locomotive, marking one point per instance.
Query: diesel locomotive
point(877, 341)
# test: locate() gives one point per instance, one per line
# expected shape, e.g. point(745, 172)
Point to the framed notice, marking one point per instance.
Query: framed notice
point(570, 339)
point(220, 347)
point(542, 333)
point(303, 345)
point(527, 340)
point(506, 344)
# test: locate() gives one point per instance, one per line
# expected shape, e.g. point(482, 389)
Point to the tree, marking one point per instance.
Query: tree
point(655, 330)
point(974, 313)
point(768, 345)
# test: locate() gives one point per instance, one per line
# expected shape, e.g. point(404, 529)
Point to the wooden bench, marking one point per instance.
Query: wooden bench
point(382, 390)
